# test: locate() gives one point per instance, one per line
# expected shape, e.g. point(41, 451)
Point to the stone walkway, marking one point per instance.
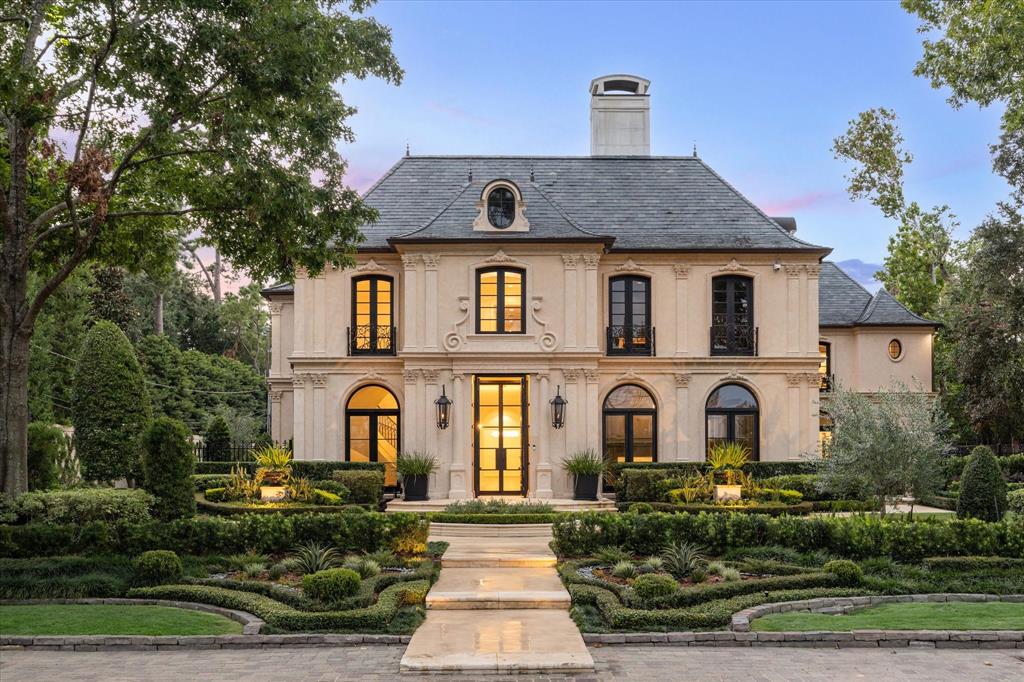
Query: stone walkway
point(498, 606)
point(646, 663)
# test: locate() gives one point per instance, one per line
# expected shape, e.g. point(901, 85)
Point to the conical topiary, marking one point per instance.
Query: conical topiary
point(982, 487)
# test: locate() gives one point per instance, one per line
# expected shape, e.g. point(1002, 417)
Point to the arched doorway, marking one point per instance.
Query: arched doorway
point(373, 430)
point(732, 415)
point(630, 425)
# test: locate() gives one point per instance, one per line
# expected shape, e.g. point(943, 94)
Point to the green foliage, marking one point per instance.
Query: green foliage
point(167, 465)
point(366, 487)
point(217, 438)
point(84, 506)
point(612, 555)
point(654, 586)
point(169, 383)
point(1015, 501)
point(364, 566)
point(201, 482)
point(493, 506)
point(47, 446)
point(314, 557)
point(74, 577)
point(584, 463)
point(335, 488)
point(111, 406)
point(968, 564)
point(640, 508)
point(492, 519)
point(226, 387)
point(682, 558)
point(845, 570)
point(728, 459)
point(416, 464)
point(780, 495)
point(624, 569)
point(156, 567)
point(982, 488)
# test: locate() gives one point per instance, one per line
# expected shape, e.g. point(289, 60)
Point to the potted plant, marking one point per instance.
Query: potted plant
point(726, 460)
point(586, 467)
point(273, 467)
point(415, 469)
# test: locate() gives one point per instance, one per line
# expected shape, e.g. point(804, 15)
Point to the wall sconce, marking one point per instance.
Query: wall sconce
point(444, 410)
point(558, 404)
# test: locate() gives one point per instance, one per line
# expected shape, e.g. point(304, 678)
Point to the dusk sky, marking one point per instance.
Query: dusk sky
point(762, 88)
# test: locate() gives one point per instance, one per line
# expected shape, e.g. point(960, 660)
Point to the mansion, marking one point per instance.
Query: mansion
point(507, 311)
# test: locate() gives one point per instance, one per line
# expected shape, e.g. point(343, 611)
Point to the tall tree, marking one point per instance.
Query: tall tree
point(224, 112)
point(170, 386)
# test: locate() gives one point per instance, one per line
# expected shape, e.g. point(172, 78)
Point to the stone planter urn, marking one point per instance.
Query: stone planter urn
point(727, 493)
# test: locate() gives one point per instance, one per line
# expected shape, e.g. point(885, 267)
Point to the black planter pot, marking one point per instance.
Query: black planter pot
point(415, 488)
point(585, 487)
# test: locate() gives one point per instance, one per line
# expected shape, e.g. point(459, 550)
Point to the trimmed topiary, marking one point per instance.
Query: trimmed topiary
point(982, 487)
point(168, 464)
point(331, 586)
point(654, 586)
point(156, 567)
point(1015, 501)
point(217, 439)
point(46, 445)
point(641, 508)
point(848, 572)
point(110, 406)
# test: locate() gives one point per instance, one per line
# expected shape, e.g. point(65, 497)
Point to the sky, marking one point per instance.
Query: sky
point(761, 88)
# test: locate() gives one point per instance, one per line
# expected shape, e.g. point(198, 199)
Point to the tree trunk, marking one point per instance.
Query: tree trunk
point(14, 352)
point(216, 277)
point(158, 325)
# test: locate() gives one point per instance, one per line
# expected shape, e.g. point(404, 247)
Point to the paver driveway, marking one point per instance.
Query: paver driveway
point(645, 663)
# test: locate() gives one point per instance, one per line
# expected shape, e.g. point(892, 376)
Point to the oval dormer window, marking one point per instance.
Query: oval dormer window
point(501, 207)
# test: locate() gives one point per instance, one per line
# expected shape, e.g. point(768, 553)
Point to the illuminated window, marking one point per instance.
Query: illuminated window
point(732, 316)
point(824, 434)
point(630, 425)
point(732, 415)
point(629, 316)
point(895, 349)
point(372, 430)
point(825, 366)
point(372, 328)
point(499, 296)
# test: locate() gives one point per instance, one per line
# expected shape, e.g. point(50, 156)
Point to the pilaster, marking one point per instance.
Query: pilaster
point(795, 381)
point(319, 415)
point(543, 427)
point(682, 316)
point(684, 443)
point(430, 263)
point(414, 436)
point(461, 428)
point(570, 263)
point(299, 416)
point(793, 309)
point(593, 410)
point(591, 300)
point(275, 416)
point(410, 311)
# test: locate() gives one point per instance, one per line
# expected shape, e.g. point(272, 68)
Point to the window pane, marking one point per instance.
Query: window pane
point(373, 397)
point(732, 396)
point(745, 430)
point(629, 397)
point(615, 436)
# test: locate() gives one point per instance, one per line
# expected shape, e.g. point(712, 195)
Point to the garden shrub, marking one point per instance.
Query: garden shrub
point(845, 570)
point(167, 465)
point(217, 439)
point(314, 469)
point(331, 586)
point(73, 577)
point(201, 482)
point(982, 488)
point(968, 564)
point(324, 497)
point(334, 487)
point(156, 567)
point(365, 487)
point(110, 406)
point(1015, 501)
point(653, 586)
point(84, 505)
point(641, 508)
point(46, 446)
point(781, 495)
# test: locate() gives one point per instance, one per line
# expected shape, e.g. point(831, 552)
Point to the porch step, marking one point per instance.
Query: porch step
point(492, 530)
point(483, 551)
point(498, 588)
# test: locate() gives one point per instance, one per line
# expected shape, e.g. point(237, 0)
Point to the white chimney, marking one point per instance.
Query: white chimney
point(620, 116)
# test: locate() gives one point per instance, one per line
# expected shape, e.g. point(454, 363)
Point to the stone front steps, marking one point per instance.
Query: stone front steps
point(491, 530)
point(497, 607)
point(438, 505)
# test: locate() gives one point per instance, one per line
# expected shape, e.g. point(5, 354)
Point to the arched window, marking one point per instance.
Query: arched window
point(373, 429)
point(630, 425)
point(501, 207)
point(499, 300)
point(732, 415)
point(629, 315)
point(372, 330)
point(732, 316)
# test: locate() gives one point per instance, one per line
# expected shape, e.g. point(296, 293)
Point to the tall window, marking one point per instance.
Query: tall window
point(630, 425)
point(824, 433)
point(732, 316)
point(372, 430)
point(499, 296)
point(629, 316)
point(825, 366)
point(732, 415)
point(372, 315)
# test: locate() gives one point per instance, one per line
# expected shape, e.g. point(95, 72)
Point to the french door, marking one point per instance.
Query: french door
point(501, 435)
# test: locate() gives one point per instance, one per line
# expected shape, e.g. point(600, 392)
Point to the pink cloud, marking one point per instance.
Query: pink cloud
point(801, 201)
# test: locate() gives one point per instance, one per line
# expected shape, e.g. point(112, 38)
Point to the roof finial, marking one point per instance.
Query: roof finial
point(695, 147)
point(471, 173)
point(531, 173)
point(407, 149)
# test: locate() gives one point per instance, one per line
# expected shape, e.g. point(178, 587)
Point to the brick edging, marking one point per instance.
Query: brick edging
point(740, 634)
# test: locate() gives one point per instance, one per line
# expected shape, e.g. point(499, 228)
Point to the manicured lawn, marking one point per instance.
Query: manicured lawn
point(110, 619)
point(925, 616)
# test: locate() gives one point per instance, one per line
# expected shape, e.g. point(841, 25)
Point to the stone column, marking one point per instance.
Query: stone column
point(410, 311)
point(543, 426)
point(276, 349)
point(801, 345)
point(793, 309)
point(570, 262)
point(299, 416)
point(462, 430)
point(811, 331)
point(430, 263)
point(431, 434)
point(593, 410)
point(682, 313)
point(319, 430)
point(592, 300)
point(413, 433)
point(275, 416)
point(794, 409)
point(302, 314)
point(684, 442)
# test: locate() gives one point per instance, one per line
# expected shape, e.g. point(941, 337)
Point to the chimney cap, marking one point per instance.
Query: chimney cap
point(786, 223)
point(619, 83)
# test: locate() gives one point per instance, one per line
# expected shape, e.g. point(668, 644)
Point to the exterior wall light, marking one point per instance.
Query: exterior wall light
point(444, 410)
point(558, 404)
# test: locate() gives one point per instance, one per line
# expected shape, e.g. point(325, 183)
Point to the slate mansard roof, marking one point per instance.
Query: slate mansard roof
point(629, 203)
point(843, 302)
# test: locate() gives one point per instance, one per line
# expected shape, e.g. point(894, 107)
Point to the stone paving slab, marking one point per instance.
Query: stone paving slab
point(498, 588)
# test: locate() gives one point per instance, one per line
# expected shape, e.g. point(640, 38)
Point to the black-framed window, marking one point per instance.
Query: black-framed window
point(732, 316)
point(630, 431)
point(499, 301)
point(629, 316)
point(825, 366)
point(373, 429)
point(732, 415)
point(373, 317)
point(501, 207)
point(825, 425)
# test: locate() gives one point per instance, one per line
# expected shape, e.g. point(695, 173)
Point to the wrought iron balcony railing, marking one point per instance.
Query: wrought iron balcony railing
point(733, 339)
point(827, 382)
point(630, 340)
point(372, 339)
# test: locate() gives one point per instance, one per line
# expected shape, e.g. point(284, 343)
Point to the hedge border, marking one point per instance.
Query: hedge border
point(299, 466)
point(228, 509)
point(251, 625)
point(497, 519)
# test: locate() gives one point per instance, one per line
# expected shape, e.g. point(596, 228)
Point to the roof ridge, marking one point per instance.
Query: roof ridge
point(553, 156)
point(869, 309)
point(895, 300)
point(849, 277)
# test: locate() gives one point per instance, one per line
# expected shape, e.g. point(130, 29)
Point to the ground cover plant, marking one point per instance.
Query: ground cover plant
point(926, 616)
point(110, 619)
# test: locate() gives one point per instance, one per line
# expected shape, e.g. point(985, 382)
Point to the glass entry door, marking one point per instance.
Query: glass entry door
point(501, 435)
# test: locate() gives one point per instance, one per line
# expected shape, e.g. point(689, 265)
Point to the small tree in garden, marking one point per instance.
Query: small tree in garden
point(46, 444)
point(168, 465)
point(887, 445)
point(110, 406)
point(982, 487)
point(170, 384)
point(217, 439)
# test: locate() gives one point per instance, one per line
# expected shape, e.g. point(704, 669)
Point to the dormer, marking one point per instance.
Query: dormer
point(501, 208)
